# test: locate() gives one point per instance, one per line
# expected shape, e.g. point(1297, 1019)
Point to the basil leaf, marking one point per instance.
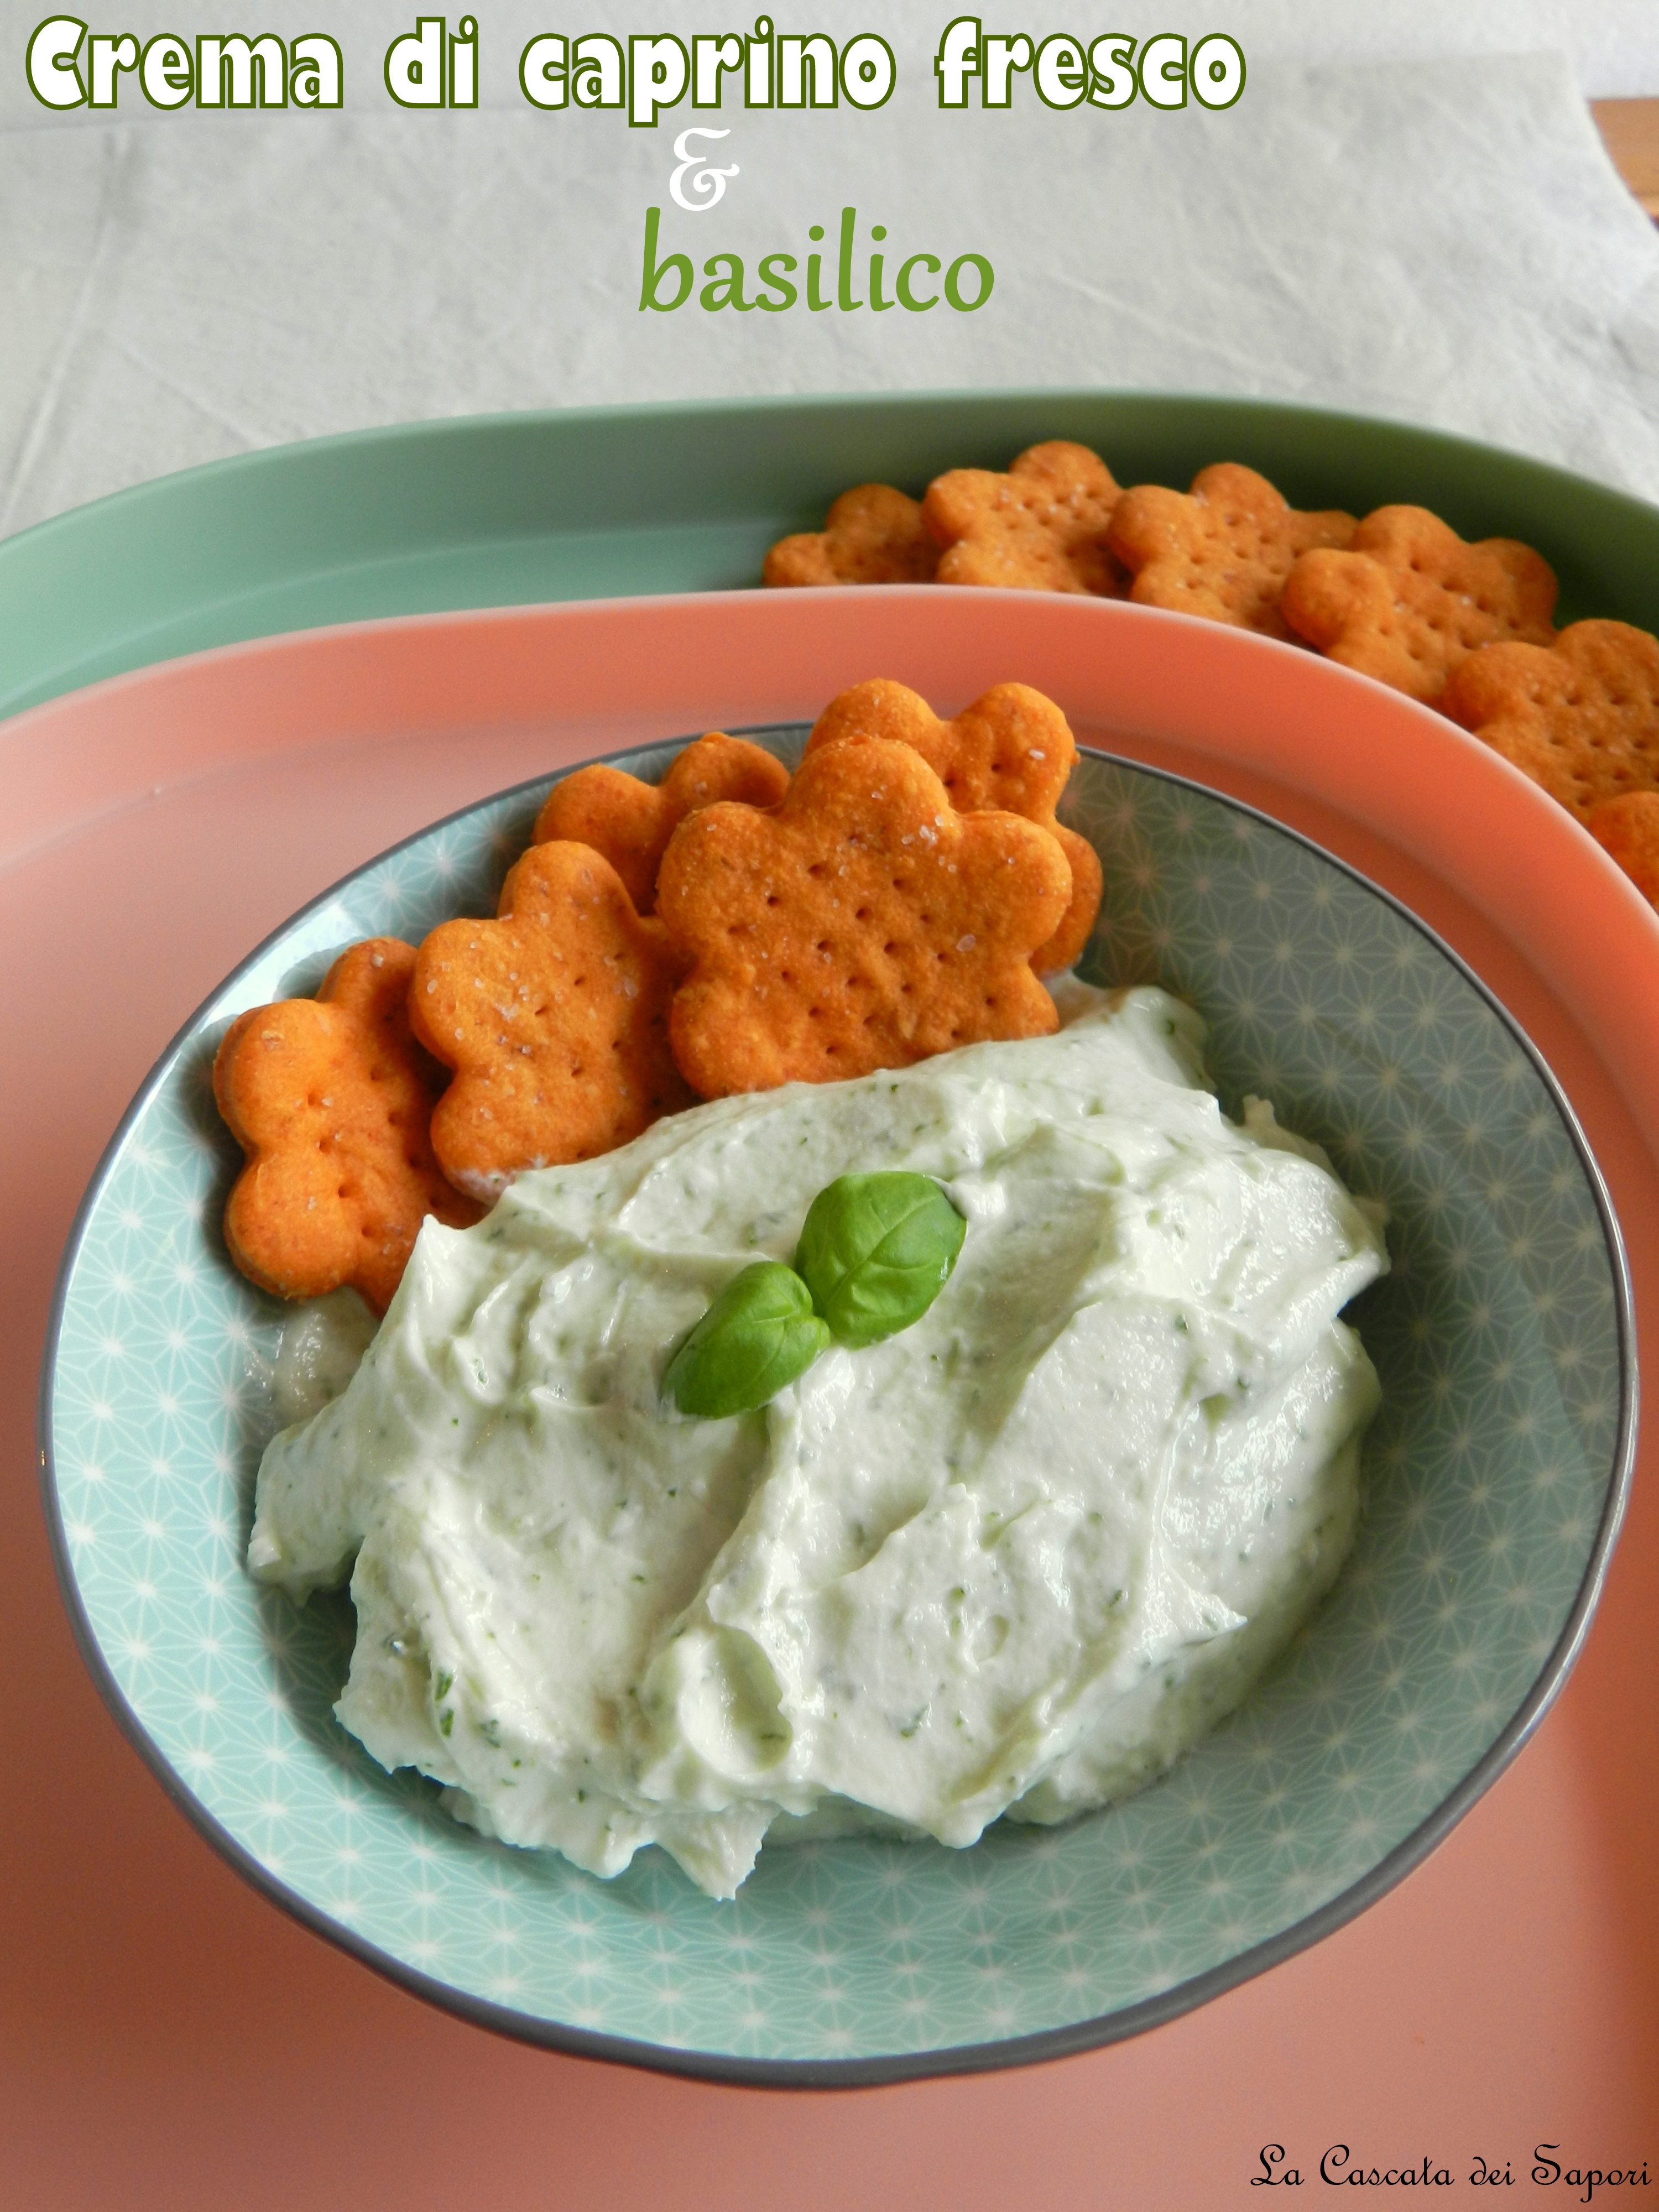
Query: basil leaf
point(759, 1334)
point(875, 1250)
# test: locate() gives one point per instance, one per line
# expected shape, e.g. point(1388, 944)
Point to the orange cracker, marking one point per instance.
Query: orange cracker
point(1010, 752)
point(330, 1098)
point(871, 535)
point(1580, 717)
point(631, 822)
point(1409, 598)
point(555, 1018)
point(1042, 527)
point(1628, 829)
point(1222, 550)
point(864, 924)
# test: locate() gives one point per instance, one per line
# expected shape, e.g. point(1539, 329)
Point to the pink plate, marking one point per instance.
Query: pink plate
point(158, 826)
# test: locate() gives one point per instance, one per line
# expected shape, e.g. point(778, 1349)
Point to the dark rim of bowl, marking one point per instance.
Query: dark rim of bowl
point(881, 2069)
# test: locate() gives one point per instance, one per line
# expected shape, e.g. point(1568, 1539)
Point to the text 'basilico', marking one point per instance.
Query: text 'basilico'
point(918, 281)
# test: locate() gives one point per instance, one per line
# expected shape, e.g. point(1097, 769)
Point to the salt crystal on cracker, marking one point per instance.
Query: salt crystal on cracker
point(630, 822)
point(1409, 598)
point(1580, 717)
point(1040, 527)
point(1222, 550)
point(1011, 751)
point(863, 924)
point(331, 1100)
point(871, 535)
point(554, 1016)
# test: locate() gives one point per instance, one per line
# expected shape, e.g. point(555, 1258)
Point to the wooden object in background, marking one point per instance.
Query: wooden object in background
point(1630, 129)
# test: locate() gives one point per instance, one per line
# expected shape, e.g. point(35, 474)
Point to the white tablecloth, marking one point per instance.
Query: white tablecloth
point(1437, 238)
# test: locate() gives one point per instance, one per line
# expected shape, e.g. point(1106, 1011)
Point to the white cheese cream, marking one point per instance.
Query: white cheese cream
point(1014, 1560)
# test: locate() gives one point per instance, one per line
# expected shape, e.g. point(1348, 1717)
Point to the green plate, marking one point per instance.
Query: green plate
point(1494, 1476)
point(613, 502)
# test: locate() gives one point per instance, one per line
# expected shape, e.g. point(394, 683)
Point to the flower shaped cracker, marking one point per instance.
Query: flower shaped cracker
point(1409, 598)
point(330, 1098)
point(1580, 717)
point(1628, 829)
point(871, 535)
point(1040, 528)
point(631, 822)
point(1222, 550)
point(1010, 752)
point(555, 1018)
point(864, 924)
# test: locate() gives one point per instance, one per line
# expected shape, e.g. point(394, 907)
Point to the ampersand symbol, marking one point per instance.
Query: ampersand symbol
point(706, 183)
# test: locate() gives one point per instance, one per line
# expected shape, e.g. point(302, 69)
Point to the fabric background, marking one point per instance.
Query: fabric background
point(1377, 224)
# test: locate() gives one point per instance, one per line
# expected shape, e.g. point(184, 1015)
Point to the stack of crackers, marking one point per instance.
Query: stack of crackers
point(1464, 627)
point(731, 929)
point(728, 930)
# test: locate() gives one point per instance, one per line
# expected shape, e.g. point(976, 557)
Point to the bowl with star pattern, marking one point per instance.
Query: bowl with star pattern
point(1493, 1477)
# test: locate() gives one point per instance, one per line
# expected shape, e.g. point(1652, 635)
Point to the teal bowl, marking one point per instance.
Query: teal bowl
point(602, 502)
point(1494, 1478)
